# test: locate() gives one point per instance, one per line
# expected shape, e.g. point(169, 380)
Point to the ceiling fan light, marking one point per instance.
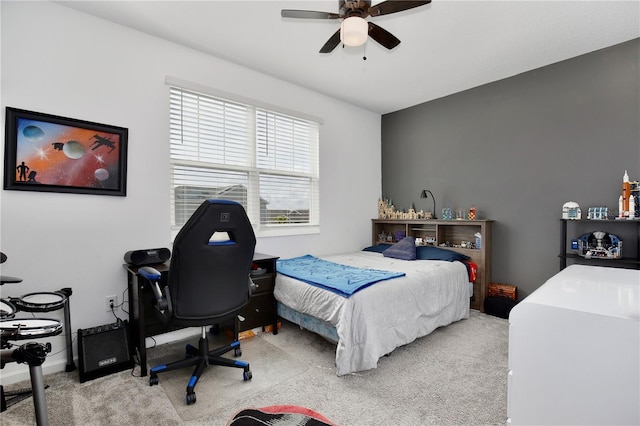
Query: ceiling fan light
point(354, 31)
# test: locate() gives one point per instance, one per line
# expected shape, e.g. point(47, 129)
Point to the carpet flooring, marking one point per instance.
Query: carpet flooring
point(455, 376)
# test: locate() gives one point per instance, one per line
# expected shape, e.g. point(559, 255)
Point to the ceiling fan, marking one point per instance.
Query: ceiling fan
point(354, 29)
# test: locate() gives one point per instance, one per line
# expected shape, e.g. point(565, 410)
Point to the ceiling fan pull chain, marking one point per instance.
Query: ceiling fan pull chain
point(364, 52)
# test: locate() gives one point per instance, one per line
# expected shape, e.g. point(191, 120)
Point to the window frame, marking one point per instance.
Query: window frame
point(253, 172)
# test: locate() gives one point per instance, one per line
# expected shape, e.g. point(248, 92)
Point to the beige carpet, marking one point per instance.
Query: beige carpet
point(455, 376)
point(221, 387)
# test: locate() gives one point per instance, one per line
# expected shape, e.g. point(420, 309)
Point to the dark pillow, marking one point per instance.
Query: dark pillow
point(404, 249)
point(378, 248)
point(437, 253)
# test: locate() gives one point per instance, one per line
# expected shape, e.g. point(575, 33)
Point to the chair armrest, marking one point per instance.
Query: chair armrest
point(162, 299)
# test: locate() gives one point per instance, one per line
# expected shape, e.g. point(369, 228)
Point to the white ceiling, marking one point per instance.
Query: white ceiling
point(447, 46)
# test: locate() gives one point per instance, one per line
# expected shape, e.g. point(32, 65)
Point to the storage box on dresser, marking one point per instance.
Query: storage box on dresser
point(261, 310)
point(453, 232)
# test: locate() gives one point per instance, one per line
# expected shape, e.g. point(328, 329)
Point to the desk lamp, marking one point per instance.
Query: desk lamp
point(424, 195)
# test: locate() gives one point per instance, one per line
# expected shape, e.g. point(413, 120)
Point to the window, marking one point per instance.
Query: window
point(264, 159)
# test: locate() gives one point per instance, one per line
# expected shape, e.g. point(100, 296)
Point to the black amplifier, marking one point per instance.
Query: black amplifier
point(103, 350)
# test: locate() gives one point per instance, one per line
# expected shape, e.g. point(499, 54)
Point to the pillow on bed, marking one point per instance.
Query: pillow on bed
point(404, 249)
point(437, 253)
point(378, 248)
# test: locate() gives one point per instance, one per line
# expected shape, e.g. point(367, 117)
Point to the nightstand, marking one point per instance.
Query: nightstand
point(261, 310)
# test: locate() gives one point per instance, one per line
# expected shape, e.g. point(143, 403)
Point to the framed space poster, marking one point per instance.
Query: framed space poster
point(45, 152)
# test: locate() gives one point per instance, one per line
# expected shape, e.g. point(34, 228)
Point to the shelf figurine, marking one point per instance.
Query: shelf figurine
point(598, 213)
point(628, 203)
point(599, 244)
point(571, 210)
point(472, 213)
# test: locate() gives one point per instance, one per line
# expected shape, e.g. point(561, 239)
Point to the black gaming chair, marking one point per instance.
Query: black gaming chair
point(208, 283)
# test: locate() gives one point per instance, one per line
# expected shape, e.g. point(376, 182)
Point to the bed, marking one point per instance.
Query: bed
point(375, 320)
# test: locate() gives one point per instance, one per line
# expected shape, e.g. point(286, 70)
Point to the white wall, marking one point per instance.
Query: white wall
point(59, 61)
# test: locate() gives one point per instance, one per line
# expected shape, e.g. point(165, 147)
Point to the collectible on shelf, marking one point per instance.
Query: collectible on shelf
point(571, 210)
point(472, 213)
point(478, 240)
point(426, 241)
point(386, 210)
point(446, 213)
point(628, 201)
point(598, 213)
point(599, 244)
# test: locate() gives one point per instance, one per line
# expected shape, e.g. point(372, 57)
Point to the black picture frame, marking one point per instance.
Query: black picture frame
point(49, 153)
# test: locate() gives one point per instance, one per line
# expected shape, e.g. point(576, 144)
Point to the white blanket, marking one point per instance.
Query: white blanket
point(374, 321)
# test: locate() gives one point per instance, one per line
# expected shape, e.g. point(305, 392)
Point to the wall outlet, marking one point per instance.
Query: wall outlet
point(108, 300)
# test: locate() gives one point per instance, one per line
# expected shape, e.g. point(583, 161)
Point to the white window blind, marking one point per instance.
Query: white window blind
point(263, 159)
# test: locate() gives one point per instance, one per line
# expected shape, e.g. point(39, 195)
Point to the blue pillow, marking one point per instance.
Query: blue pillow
point(405, 249)
point(378, 248)
point(436, 253)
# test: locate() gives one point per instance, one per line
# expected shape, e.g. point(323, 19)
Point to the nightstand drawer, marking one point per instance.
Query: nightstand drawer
point(260, 311)
point(264, 284)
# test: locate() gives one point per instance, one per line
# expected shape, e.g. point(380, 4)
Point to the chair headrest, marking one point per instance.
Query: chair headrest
point(217, 222)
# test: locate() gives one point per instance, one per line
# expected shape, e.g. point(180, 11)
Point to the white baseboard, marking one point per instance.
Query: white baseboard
point(172, 336)
point(20, 372)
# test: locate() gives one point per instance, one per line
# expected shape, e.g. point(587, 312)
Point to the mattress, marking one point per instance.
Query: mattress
point(374, 321)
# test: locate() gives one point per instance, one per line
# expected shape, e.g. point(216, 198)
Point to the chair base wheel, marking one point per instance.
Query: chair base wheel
point(247, 375)
point(237, 351)
point(190, 351)
point(191, 398)
point(153, 380)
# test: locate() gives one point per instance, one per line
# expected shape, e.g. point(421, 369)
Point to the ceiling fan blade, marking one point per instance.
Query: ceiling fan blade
point(331, 43)
point(393, 6)
point(307, 14)
point(382, 36)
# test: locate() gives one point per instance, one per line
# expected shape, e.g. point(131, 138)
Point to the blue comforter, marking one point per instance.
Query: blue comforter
point(341, 279)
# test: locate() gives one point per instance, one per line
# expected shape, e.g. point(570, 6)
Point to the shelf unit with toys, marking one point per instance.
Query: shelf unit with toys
point(588, 242)
point(628, 231)
point(455, 235)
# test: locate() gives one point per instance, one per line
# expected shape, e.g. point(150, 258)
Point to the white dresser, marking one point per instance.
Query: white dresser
point(574, 350)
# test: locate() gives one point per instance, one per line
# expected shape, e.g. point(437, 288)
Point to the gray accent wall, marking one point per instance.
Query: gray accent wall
point(518, 149)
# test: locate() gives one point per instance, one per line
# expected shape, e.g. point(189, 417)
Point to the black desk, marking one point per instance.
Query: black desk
point(144, 323)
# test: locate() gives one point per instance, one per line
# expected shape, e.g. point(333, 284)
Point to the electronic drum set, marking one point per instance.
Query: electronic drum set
point(32, 353)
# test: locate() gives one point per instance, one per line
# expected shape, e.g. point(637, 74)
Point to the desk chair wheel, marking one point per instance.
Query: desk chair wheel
point(247, 375)
point(153, 379)
point(191, 351)
point(191, 398)
point(237, 351)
